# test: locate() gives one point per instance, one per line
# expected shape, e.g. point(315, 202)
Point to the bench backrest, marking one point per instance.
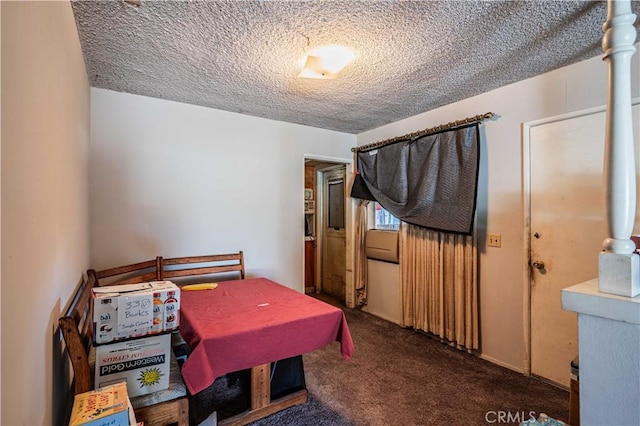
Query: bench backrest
point(166, 269)
point(77, 330)
point(130, 274)
point(201, 265)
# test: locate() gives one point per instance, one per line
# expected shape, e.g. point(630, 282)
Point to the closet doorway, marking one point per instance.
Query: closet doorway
point(334, 247)
point(327, 268)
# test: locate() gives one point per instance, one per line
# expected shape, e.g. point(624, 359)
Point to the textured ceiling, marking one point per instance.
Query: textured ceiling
point(411, 56)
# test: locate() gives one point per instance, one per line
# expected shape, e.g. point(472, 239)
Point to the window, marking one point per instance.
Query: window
point(336, 204)
point(385, 220)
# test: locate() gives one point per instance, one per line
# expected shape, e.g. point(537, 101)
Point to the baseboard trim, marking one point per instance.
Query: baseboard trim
point(396, 321)
point(501, 364)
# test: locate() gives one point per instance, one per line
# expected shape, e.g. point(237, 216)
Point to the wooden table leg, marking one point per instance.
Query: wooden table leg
point(260, 386)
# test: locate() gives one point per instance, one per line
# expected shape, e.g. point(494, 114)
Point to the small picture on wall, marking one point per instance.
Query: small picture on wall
point(309, 206)
point(308, 194)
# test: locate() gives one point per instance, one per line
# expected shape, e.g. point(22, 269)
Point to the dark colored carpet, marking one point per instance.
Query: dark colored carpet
point(397, 377)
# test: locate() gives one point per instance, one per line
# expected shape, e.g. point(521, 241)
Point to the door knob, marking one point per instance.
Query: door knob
point(537, 265)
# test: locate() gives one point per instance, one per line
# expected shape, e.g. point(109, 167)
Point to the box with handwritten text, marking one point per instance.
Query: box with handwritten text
point(142, 363)
point(105, 406)
point(134, 310)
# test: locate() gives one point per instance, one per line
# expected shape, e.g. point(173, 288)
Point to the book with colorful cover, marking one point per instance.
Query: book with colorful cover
point(106, 406)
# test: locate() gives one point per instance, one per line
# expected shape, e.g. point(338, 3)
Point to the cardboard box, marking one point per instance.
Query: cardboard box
point(134, 310)
point(142, 363)
point(106, 406)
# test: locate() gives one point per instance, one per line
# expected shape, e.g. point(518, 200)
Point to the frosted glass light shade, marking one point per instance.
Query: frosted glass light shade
point(326, 61)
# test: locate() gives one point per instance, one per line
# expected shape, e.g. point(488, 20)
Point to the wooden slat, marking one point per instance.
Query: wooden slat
point(126, 269)
point(77, 353)
point(86, 329)
point(180, 270)
point(200, 271)
point(164, 414)
point(80, 303)
point(151, 276)
point(202, 259)
point(296, 398)
point(159, 270)
point(76, 326)
point(131, 274)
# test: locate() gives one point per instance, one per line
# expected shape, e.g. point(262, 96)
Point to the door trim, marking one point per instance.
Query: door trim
point(526, 200)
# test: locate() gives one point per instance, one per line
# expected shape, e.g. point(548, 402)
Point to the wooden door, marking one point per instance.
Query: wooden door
point(334, 247)
point(566, 232)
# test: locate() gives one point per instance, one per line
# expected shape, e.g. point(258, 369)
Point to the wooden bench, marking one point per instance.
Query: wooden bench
point(160, 408)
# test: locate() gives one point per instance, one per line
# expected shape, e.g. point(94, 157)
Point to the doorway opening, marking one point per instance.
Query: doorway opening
point(327, 224)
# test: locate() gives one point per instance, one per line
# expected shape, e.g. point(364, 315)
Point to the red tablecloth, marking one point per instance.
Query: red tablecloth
point(242, 324)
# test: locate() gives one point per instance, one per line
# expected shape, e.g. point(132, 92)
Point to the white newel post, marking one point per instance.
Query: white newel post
point(619, 266)
point(608, 309)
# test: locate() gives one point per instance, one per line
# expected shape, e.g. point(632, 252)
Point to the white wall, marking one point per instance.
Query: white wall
point(173, 179)
point(45, 243)
point(500, 198)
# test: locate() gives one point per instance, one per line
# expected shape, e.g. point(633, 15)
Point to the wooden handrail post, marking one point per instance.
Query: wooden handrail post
point(619, 266)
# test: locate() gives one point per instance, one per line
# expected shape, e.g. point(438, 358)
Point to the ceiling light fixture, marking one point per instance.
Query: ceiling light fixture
point(327, 61)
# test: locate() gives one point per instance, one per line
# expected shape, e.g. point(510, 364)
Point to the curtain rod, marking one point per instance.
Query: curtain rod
point(425, 132)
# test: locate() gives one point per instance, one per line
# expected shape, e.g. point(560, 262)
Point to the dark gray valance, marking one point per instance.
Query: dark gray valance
point(430, 181)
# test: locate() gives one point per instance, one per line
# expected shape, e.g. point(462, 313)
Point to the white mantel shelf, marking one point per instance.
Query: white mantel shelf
point(609, 349)
point(584, 298)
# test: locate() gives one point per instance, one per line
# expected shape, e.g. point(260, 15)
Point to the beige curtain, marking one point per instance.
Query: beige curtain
point(439, 284)
point(360, 264)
